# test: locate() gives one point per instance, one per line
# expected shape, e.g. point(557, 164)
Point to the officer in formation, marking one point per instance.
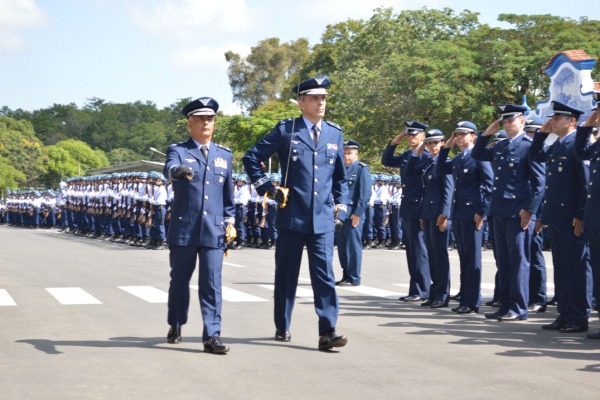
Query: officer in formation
point(587, 147)
point(410, 207)
point(434, 216)
point(563, 213)
point(516, 197)
point(203, 215)
point(349, 238)
point(312, 200)
point(470, 205)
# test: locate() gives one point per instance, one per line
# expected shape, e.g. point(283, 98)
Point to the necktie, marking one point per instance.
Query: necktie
point(204, 151)
point(315, 135)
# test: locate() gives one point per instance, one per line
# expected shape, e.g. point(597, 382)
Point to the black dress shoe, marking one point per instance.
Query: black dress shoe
point(456, 297)
point(493, 303)
point(492, 315)
point(215, 345)
point(511, 317)
point(344, 279)
point(538, 308)
point(439, 304)
point(554, 326)
point(427, 303)
point(455, 309)
point(573, 329)
point(331, 340)
point(593, 335)
point(282, 336)
point(346, 283)
point(467, 310)
point(412, 298)
point(174, 335)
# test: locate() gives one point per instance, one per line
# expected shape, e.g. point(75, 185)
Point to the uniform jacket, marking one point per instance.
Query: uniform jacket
point(585, 151)
point(566, 181)
point(316, 177)
point(518, 180)
point(412, 186)
point(437, 190)
point(359, 188)
point(472, 184)
point(200, 205)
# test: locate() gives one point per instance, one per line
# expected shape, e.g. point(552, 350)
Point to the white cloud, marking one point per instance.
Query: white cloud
point(193, 19)
point(207, 57)
point(16, 15)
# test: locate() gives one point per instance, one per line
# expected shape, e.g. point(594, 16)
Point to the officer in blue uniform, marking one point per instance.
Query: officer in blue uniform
point(516, 195)
point(310, 153)
point(564, 206)
point(434, 217)
point(349, 237)
point(470, 206)
point(202, 208)
point(537, 270)
point(412, 193)
point(585, 149)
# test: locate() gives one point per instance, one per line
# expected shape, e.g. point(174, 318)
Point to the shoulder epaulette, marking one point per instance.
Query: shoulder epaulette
point(334, 125)
point(284, 121)
point(362, 163)
point(223, 147)
point(526, 137)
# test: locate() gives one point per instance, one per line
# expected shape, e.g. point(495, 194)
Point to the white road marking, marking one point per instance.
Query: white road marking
point(235, 296)
point(371, 291)
point(5, 299)
point(73, 295)
point(147, 293)
point(300, 292)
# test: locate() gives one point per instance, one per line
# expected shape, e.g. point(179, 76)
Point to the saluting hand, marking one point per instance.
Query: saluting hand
point(492, 128)
point(450, 142)
point(396, 141)
point(593, 119)
point(419, 150)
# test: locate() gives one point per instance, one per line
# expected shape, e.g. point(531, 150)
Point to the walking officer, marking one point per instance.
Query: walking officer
point(310, 151)
point(359, 194)
point(201, 210)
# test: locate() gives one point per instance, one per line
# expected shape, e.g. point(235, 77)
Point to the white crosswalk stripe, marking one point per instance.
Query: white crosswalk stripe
point(235, 296)
point(371, 291)
point(6, 299)
point(147, 293)
point(72, 296)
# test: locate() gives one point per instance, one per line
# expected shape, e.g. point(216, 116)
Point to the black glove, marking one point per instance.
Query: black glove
point(183, 171)
point(276, 195)
point(339, 224)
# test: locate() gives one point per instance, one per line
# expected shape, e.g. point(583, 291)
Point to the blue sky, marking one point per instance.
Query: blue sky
point(68, 51)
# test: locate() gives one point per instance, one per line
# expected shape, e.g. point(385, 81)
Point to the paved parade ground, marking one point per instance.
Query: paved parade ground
point(86, 319)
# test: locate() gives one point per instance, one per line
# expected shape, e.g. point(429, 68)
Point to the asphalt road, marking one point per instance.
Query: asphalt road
point(86, 319)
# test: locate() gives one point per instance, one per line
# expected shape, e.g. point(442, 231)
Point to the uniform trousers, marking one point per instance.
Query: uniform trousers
point(378, 221)
point(537, 272)
point(572, 276)
point(350, 250)
point(183, 263)
point(439, 263)
point(416, 257)
point(468, 245)
point(594, 246)
point(288, 257)
point(513, 253)
point(240, 226)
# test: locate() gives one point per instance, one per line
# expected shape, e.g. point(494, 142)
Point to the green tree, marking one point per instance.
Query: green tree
point(21, 149)
point(260, 76)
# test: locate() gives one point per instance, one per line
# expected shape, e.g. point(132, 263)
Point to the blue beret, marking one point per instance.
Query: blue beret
point(533, 123)
point(242, 177)
point(351, 144)
point(561, 109)
point(201, 106)
point(466, 126)
point(413, 127)
point(434, 135)
point(316, 85)
point(510, 111)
